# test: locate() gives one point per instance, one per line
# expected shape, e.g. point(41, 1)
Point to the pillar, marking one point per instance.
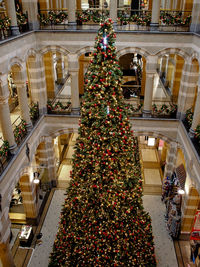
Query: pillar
point(187, 88)
point(59, 70)
point(113, 11)
point(72, 12)
point(164, 152)
point(143, 82)
point(23, 104)
point(31, 8)
point(195, 23)
point(121, 3)
point(11, 12)
point(196, 116)
point(155, 15)
point(65, 4)
point(49, 74)
point(28, 190)
point(179, 62)
point(171, 159)
point(36, 73)
point(150, 73)
point(5, 121)
point(51, 163)
point(73, 71)
point(190, 206)
point(46, 158)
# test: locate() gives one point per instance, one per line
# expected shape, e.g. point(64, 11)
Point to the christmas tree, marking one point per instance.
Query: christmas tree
point(103, 222)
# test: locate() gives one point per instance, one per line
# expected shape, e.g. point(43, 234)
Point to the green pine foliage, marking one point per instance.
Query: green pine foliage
point(103, 222)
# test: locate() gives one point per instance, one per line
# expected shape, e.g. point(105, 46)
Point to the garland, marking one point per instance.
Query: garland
point(34, 111)
point(92, 15)
point(165, 19)
point(58, 106)
point(53, 17)
point(165, 109)
point(5, 23)
point(132, 110)
point(197, 133)
point(189, 117)
point(22, 18)
point(20, 131)
point(4, 149)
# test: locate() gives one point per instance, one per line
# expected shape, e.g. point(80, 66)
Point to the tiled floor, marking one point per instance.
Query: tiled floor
point(41, 253)
point(152, 176)
point(164, 246)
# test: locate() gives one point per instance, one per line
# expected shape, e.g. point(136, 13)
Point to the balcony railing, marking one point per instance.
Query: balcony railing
point(128, 19)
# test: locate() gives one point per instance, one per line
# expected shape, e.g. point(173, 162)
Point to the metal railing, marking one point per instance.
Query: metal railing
point(53, 17)
point(128, 19)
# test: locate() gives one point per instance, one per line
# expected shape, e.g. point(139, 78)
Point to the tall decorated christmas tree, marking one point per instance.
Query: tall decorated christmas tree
point(103, 222)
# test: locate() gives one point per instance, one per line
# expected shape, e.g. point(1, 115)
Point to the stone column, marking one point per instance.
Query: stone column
point(177, 77)
point(195, 24)
point(113, 11)
point(6, 125)
point(49, 74)
point(65, 4)
point(121, 3)
point(190, 206)
point(155, 16)
point(28, 190)
point(23, 104)
point(51, 163)
point(31, 8)
point(72, 12)
point(171, 159)
point(46, 157)
point(150, 73)
point(187, 88)
point(73, 71)
point(37, 80)
point(196, 116)
point(11, 12)
point(59, 70)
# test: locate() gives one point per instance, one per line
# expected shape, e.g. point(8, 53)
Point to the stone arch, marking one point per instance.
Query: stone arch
point(84, 50)
point(133, 50)
point(196, 56)
point(64, 131)
point(176, 51)
point(54, 48)
point(154, 134)
point(30, 52)
point(15, 61)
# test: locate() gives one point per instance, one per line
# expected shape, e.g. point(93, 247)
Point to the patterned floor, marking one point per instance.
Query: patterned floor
point(40, 256)
point(164, 246)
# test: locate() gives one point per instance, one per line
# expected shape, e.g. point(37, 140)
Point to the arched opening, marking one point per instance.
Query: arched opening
point(64, 149)
point(19, 101)
point(56, 73)
point(132, 67)
point(170, 73)
point(84, 61)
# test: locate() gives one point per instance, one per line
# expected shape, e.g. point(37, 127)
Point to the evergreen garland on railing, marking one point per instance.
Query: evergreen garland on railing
point(4, 149)
point(20, 131)
point(53, 17)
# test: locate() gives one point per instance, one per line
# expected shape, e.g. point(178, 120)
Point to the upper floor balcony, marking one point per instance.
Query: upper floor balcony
point(16, 19)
